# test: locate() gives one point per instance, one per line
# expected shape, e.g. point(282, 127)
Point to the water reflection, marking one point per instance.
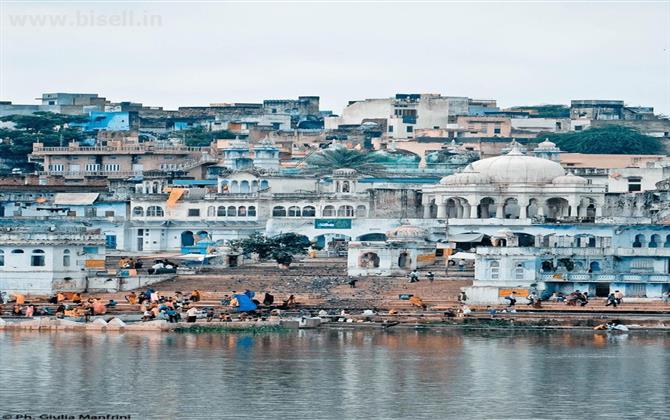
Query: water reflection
point(337, 374)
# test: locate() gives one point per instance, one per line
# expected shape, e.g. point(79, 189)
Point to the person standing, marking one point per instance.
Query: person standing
point(618, 296)
point(430, 276)
point(413, 276)
point(210, 314)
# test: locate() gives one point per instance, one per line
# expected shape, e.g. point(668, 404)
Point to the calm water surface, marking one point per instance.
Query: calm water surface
point(337, 374)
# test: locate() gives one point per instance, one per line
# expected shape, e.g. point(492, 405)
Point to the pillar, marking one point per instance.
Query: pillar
point(459, 211)
point(426, 211)
point(442, 210)
point(500, 211)
point(467, 212)
point(573, 210)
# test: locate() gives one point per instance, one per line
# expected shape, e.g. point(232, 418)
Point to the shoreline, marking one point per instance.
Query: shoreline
point(556, 322)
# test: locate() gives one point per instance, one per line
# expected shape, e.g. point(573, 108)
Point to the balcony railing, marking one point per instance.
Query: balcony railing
point(121, 149)
point(607, 277)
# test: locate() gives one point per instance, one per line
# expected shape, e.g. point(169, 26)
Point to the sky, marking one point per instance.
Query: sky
point(174, 54)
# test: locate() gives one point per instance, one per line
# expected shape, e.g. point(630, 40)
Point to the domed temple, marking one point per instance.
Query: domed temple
point(513, 186)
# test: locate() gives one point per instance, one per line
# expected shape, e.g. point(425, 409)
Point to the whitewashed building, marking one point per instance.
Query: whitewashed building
point(41, 258)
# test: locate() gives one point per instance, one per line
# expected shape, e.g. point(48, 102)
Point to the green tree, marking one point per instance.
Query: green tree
point(546, 111)
point(326, 161)
point(610, 139)
point(199, 137)
point(41, 127)
point(281, 248)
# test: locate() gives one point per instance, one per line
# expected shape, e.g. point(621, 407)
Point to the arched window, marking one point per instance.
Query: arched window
point(328, 211)
point(211, 211)
point(17, 251)
point(495, 270)
point(308, 211)
point(138, 211)
point(279, 211)
point(2, 258)
point(594, 267)
point(345, 186)
point(221, 211)
point(361, 211)
point(244, 186)
point(666, 244)
point(155, 211)
point(518, 271)
point(251, 211)
point(232, 211)
point(655, 241)
point(264, 184)
point(640, 241)
point(345, 211)
point(37, 258)
point(66, 258)
point(294, 211)
point(242, 211)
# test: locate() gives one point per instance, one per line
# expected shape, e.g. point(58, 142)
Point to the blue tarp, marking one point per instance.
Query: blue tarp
point(245, 303)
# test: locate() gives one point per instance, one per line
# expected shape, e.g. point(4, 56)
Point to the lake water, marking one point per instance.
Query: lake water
point(337, 374)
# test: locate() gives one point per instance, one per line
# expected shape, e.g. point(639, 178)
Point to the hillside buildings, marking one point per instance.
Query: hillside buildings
point(452, 178)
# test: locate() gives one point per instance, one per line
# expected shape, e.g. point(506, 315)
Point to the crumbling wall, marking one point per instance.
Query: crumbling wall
point(395, 203)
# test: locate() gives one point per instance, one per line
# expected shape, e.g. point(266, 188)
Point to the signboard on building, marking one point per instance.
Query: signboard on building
point(332, 223)
point(508, 292)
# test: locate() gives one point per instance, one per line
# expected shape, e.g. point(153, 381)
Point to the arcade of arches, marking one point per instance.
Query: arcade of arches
point(511, 208)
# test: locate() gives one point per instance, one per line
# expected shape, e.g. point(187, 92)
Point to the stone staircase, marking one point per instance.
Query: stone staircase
point(321, 282)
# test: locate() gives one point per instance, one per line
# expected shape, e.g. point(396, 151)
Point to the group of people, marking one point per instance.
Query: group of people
point(126, 262)
point(614, 299)
point(90, 307)
point(175, 308)
point(156, 306)
point(414, 276)
point(577, 297)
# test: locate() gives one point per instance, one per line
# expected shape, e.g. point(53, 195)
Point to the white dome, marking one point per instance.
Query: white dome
point(407, 232)
point(517, 168)
point(570, 179)
point(467, 177)
point(546, 145)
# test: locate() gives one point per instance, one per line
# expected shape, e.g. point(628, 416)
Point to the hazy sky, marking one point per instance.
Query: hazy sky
point(194, 53)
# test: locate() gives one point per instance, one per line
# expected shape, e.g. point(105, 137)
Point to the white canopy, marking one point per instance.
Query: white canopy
point(465, 237)
point(75, 199)
point(462, 256)
point(195, 257)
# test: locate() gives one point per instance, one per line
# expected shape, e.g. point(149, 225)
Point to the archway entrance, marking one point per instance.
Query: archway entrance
point(368, 260)
point(404, 260)
point(187, 238)
point(486, 208)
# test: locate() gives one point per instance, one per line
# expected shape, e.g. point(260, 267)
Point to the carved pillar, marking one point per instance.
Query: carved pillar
point(500, 211)
point(442, 210)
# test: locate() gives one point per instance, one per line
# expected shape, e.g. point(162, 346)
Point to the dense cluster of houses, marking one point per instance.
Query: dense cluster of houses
point(454, 180)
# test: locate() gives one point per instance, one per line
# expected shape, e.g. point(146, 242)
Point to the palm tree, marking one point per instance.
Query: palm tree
point(326, 161)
